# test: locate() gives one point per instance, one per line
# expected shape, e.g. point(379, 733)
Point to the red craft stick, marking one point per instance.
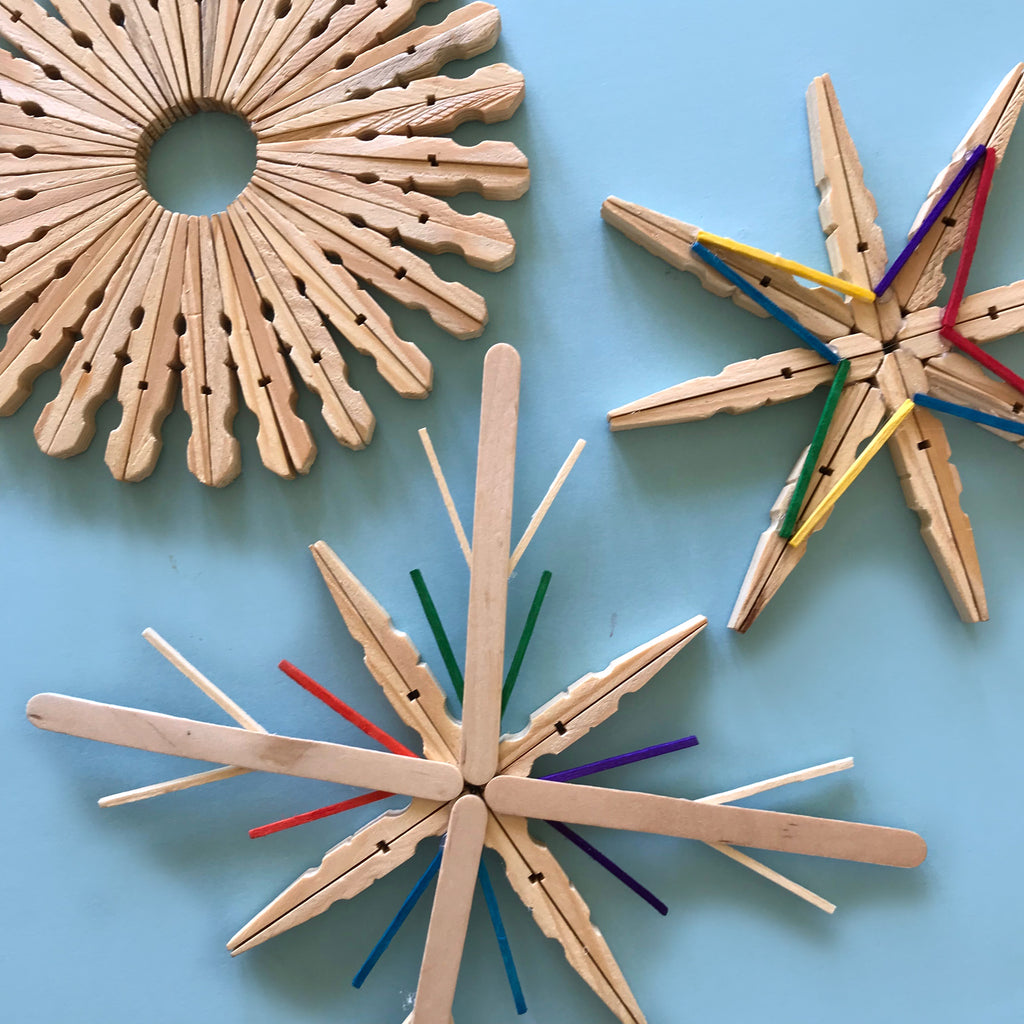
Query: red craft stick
point(975, 351)
point(350, 714)
point(963, 269)
point(320, 812)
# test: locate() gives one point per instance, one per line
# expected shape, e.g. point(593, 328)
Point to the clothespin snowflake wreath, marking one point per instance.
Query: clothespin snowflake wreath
point(471, 786)
point(884, 348)
point(130, 297)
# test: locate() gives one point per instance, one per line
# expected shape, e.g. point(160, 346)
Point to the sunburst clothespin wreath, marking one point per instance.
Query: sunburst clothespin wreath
point(472, 786)
point(874, 334)
point(345, 104)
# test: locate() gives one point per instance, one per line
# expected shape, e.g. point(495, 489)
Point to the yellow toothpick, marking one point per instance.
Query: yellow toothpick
point(853, 472)
point(790, 266)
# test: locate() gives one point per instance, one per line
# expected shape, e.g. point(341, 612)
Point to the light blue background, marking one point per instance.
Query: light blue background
point(696, 111)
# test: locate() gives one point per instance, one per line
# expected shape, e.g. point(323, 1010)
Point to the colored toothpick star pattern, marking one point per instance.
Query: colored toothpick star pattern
point(346, 106)
point(893, 343)
point(472, 785)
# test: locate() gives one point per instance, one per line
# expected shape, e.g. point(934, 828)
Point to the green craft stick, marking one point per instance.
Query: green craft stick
point(804, 480)
point(524, 639)
point(440, 636)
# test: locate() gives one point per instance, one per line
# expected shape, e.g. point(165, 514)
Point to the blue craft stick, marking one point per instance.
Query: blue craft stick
point(967, 413)
point(569, 774)
point(403, 912)
point(609, 865)
point(970, 163)
point(765, 303)
point(500, 934)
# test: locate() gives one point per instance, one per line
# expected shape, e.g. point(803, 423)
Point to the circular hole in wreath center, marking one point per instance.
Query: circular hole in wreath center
point(201, 163)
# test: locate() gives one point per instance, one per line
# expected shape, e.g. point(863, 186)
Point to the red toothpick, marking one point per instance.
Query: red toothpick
point(963, 270)
point(320, 812)
point(975, 351)
point(346, 712)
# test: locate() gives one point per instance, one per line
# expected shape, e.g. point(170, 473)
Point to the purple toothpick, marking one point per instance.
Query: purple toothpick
point(973, 158)
point(620, 759)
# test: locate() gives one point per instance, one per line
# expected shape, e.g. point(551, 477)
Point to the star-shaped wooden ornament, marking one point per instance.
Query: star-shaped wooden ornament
point(472, 786)
point(891, 341)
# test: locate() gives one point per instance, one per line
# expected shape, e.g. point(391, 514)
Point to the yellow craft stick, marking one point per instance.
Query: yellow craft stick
point(853, 472)
point(790, 266)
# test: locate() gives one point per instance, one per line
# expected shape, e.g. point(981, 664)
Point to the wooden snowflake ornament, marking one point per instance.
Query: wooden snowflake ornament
point(471, 785)
point(345, 106)
point(892, 344)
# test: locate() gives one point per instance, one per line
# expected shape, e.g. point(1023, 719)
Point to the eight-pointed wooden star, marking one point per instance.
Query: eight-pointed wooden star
point(893, 345)
point(472, 784)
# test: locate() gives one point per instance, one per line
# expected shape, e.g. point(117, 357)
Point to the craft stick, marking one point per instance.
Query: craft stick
point(350, 714)
point(346, 870)
point(819, 310)
point(803, 775)
point(762, 300)
point(963, 270)
point(592, 699)
point(609, 865)
point(687, 819)
point(814, 451)
point(404, 911)
point(561, 914)
point(202, 741)
point(446, 494)
point(620, 760)
point(440, 636)
point(966, 413)
point(493, 911)
point(969, 348)
point(840, 486)
point(392, 659)
point(790, 266)
point(194, 676)
point(449, 917)
point(524, 639)
point(171, 786)
point(318, 814)
point(542, 509)
point(488, 576)
point(773, 876)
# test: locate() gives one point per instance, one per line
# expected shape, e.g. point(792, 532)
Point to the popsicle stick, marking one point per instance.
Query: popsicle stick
point(773, 876)
point(285, 755)
point(687, 819)
point(449, 917)
point(488, 578)
point(729, 796)
point(837, 284)
point(131, 796)
point(392, 659)
point(446, 494)
point(841, 485)
point(340, 298)
point(591, 700)
point(548, 500)
point(346, 870)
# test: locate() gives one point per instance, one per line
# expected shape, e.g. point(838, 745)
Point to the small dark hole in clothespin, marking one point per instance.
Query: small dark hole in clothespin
point(300, 286)
point(950, 222)
point(82, 40)
point(344, 60)
point(32, 109)
point(206, 389)
point(765, 281)
point(560, 728)
point(360, 319)
point(263, 381)
point(862, 247)
point(825, 470)
point(86, 367)
point(537, 876)
point(49, 70)
point(424, 217)
point(317, 356)
point(413, 695)
point(993, 313)
point(15, 16)
point(116, 15)
point(383, 846)
point(225, 322)
point(135, 320)
point(180, 324)
point(1018, 408)
point(143, 385)
point(432, 159)
point(924, 445)
point(400, 273)
point(787, 372)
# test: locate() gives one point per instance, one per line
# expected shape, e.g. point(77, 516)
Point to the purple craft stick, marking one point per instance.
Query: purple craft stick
point(609, 865)
point(970, 163)
point(620, 759)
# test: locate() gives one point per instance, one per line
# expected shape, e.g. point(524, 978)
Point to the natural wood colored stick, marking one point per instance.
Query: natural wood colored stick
point(446, 494)
point(542, 509)
point(687, 819)
point(449, 917)
point(773, 876)
point(285, 755)
point(742, 792)
point(488, 579)
point(131, 796)
point(346, 870)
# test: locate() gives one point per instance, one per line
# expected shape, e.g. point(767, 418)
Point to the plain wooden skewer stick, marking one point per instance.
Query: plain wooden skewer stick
point(742, 792)
point(542, 509)
point(446, 494)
